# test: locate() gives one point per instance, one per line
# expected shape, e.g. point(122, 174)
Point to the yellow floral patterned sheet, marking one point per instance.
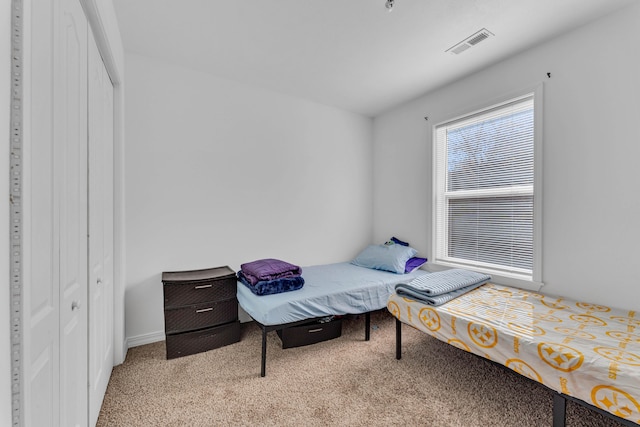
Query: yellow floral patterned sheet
point(587, 351)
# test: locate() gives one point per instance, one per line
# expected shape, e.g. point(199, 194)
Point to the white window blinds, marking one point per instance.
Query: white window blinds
point(484, 189)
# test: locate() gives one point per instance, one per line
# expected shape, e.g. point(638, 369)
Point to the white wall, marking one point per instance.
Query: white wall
point(5, 342)
point(591, 151)
point(219, 173)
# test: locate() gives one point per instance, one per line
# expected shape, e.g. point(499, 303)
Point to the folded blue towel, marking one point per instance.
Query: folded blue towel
point(441, 287)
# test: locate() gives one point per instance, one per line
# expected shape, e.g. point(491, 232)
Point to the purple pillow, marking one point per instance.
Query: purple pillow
point(413, 264)
point(399, 242)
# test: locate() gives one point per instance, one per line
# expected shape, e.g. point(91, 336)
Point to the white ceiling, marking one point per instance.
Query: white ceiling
point(351, 54)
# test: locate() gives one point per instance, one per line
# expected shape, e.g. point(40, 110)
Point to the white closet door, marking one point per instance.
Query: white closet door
point(70, 186)
point(68, 292)
point(100, 230)
point(41, 256)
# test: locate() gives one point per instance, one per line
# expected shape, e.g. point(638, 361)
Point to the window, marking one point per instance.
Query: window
point(485, 191)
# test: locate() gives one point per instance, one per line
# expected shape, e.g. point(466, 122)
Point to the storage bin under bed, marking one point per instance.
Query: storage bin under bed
point(310, 333)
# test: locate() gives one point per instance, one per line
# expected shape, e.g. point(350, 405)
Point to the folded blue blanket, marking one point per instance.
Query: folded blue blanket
point(276, 286)
point(438, 299)
point(441, 287)
point(268, 269)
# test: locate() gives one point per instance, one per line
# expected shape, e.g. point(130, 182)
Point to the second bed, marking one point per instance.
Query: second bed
point(587, 352)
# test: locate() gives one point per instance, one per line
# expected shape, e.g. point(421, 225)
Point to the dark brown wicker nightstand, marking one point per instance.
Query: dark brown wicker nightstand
point(200, 310)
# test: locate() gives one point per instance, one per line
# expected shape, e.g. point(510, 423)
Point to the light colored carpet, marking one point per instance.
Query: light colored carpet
point(342, 382)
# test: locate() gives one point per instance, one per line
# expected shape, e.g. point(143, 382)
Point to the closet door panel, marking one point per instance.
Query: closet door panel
point(71, 188)
point(41, 296)
point(96, 229)
point(100, 230)
point(108, 242)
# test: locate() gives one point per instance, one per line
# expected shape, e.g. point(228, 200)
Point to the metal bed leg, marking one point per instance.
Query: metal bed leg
point(399, 340)
point(263, 366)
point(367, 326)
point(559, 410)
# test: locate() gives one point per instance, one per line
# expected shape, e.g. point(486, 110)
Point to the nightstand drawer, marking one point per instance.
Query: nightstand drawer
point(200, 316)
point(195, 286)
point(186, 293)
point(202, 340)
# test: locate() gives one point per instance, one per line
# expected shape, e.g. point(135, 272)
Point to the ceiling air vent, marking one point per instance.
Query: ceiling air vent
point(470, 41)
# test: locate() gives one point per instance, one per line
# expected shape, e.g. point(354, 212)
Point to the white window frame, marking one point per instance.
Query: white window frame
point(513, 277)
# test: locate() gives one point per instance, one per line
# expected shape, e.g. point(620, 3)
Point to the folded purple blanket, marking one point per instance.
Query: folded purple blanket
point(270, 287)
point(269, 269)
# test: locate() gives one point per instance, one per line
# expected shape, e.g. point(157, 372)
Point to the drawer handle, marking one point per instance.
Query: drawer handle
point(314, 330)
point(203, 310)
point(203, 286)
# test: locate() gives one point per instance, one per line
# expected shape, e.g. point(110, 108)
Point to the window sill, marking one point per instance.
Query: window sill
point(499, 278)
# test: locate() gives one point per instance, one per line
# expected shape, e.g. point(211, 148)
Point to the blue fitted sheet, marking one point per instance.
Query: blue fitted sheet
point(331, 289)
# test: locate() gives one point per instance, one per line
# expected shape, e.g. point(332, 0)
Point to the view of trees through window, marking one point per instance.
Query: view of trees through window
point(488, 187)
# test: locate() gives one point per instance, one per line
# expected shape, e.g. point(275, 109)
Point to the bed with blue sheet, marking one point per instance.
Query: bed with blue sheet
point(329, 290)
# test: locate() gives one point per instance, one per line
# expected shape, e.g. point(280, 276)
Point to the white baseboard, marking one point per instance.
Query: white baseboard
point(145, 339)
